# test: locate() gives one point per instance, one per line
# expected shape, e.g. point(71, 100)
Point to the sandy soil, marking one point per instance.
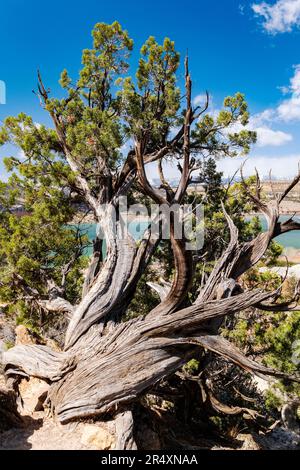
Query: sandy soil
point(41, 432)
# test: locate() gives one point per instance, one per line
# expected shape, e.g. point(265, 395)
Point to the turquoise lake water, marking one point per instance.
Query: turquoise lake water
point(136, 230)
point(288, 240)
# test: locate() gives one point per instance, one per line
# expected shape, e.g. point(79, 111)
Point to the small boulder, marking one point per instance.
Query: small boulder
point(249, 442)
point(23, 335)
point(97, 438)
point(33, 392)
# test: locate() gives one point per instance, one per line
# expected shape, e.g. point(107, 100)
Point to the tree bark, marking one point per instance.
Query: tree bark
point(107, 363)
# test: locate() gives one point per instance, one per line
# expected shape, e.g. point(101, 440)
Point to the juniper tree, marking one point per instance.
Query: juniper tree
point(108, 363)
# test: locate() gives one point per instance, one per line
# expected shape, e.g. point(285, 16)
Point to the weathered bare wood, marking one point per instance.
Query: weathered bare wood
point(102, 381)
point(124, 430)
point(185, 175)
point(182, 279)
point(112, 370)
point(221, 346)
point(193, 317)
point(58, 305)
point(221, 270)
point(106, 362)
point(230, 410)
point(104, 295)
point(94, 266)
point(162, 289)
point(36, 361)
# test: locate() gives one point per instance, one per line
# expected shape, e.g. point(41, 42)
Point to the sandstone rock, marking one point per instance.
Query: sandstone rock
point(249, 442)
point(33, 393)
point(97, 438)
point(23, 335)
point(53, 345)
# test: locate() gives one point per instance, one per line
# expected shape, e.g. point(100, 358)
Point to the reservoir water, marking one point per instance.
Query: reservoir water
point(287, 240)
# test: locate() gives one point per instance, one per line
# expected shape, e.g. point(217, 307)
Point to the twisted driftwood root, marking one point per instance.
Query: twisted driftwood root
point(125, 431)
point(118, 367)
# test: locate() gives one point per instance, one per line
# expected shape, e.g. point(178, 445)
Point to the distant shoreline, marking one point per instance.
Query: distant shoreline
point(291, 251)
point(286, 208)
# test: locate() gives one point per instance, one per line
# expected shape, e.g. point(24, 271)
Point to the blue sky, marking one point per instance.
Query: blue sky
point(234, 45)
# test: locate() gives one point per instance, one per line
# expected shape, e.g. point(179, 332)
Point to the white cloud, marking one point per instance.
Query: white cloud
point(279, 17)
point(21, 155)
point(199, 100)
point(2, 92)
point(174, 131)
point(242, 9)
point(263, 122)
point(24, 128)
point(170, 169)
point(295, 81)
point(126, 147)
point(266, 137)
point(289, 109)
point(260, 119)
point(282, 166)
point(284, 89)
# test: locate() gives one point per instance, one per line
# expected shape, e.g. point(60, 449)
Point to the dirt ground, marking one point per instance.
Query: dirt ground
point(41, 432)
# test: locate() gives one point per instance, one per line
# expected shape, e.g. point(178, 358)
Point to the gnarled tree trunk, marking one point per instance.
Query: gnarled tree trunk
point(107, 362)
